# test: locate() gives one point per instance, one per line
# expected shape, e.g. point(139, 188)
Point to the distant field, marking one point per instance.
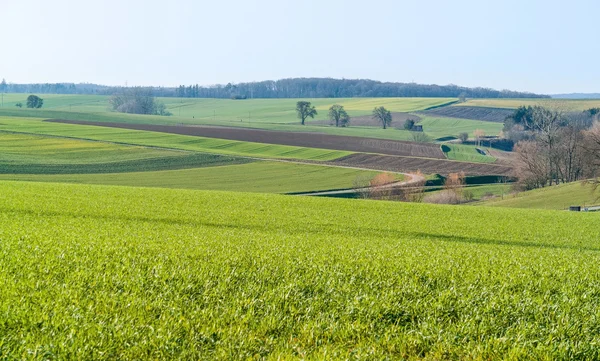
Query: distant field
point(439, 127)
point(265, 177)
point(427, 166)
point(555, 197)
point(309, 140)
point(227, 110)
point(182, 142)
point(18, 149)
point(563, 104)
point(466, 153)
point(471, 112)
point(99, 272)
point(271, 114)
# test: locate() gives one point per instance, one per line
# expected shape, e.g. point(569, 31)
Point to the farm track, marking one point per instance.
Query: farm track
point(427, 166)
point(299, 139)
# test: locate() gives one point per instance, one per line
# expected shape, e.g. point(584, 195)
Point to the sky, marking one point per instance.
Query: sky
point(543, 46)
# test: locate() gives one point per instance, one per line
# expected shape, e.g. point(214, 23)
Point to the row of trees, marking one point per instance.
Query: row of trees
point(284, 88)
point(338, 115)
point(554, 146)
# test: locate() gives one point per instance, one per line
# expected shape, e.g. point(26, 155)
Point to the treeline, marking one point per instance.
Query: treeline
point(554, 146)
point(285, 88)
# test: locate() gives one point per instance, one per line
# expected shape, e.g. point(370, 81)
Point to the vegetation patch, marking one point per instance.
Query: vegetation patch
point(466, 153)
point(177, 274)
point(264, 177)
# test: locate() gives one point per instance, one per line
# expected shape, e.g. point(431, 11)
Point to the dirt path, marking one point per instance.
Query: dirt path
point(414, 179)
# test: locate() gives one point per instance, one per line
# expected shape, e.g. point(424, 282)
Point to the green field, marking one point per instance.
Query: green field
point(466, 153)
point(98, 272)
point(221, 111)
point(443, 127)
point(556, 197)
point(165, 140)
point(271, 114)
point(561, 104)
point(264, 177)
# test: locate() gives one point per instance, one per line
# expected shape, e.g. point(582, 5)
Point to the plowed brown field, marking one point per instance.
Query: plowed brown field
point(299, 139)
point(427, 166)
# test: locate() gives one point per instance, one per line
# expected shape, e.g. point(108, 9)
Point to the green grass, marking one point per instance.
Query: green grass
point(556, 197)
point(466, 153)
point(220, 111)
point(97, 272)
point(444, 127)
point(499, 190)
point(562, 104)
point(18, 148)
point(264, 177)
point(165, 140)
point(34, 154)
point(271, 114)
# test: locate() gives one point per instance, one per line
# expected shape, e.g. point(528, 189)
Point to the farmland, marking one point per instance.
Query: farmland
point(172, 141)
point(428, 166)
point(268, 114)
point(555, 197)
point(262, 177)
point(211, 275)
point(563, 104)
point(308, 140)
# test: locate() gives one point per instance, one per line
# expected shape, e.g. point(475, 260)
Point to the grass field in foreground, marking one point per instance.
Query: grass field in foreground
point(562, 104)
point(556, 197)
point(96, 272)
point(182, 142)
point(266, 177)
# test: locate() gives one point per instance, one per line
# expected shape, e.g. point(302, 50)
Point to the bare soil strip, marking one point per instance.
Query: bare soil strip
point(427, 166)
point(299, 139)
point(475, 113)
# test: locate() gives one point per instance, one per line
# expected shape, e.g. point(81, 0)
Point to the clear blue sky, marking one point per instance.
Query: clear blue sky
point(541, 46)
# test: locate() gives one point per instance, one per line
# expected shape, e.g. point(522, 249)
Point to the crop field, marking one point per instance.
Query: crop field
point(34, 154)
point(427, 166)
point(269, 114)
point(556, 197)
point(308, 140)
point(136, 273)
point(466, 153)
point(227, 110)
point(173, 141)
point(439, 127)
point(471, 112)
point(24, 148)
point(562, 104)
point(263, 177)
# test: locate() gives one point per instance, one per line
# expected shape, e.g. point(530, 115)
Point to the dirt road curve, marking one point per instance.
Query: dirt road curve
point(300, 139)
point(414, 178)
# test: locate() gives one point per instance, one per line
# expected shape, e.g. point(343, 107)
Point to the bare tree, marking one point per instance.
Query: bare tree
point(339, 116)
point(304, 110)
point(464, 137)
point(379, 188)
point(382, 115)
point(532, 166)
point(479, 133)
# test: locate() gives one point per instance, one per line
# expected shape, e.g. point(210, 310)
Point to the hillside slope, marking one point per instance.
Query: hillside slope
point(99, 272)
point(556, 197)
